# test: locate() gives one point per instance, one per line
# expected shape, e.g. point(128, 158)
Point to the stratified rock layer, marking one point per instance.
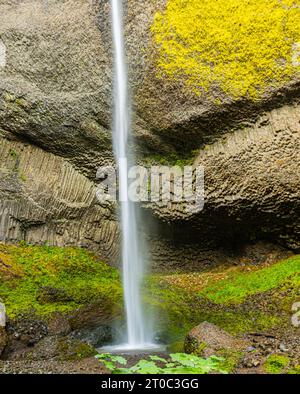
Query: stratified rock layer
point(44, 199)
point(252, 183)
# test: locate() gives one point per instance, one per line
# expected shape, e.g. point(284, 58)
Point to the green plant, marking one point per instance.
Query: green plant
point(295, 370)
point(111, 361)
point(177, 363)
point(238, 286)
point(75, 276)
point(275, 364)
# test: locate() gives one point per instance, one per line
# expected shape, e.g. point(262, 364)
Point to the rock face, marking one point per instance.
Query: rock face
point(54, 125)
point(208, 339)
point(56, 82)
point(45, 199)
point(251, 184)
point(55, 131)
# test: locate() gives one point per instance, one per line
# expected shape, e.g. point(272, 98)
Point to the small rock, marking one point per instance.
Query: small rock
point(283, 348)
point(250, 362)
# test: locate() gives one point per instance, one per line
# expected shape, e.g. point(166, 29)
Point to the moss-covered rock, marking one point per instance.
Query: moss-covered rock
point(57, 348)
point(240, 299)
point(276, 364)
point(46, 280)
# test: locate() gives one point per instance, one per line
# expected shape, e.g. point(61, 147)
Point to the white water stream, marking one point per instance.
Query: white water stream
point(138, 332)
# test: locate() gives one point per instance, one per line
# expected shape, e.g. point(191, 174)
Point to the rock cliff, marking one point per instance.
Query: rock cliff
point(55, 117)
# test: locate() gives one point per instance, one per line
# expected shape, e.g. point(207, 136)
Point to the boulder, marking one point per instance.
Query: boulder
point(96, 336)
point(55, 348)
point(208, 339)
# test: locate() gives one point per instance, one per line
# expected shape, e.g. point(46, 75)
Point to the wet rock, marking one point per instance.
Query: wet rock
point(57, 124)
point(96, 337)
point(55, 116)
point(207, 339)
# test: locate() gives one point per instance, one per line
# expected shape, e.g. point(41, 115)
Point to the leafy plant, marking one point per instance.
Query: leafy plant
point(177, 363)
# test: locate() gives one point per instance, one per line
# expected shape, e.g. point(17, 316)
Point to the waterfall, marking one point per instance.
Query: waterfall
point(133, 257)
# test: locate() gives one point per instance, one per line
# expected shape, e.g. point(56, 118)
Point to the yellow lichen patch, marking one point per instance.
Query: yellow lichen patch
point(238, 47)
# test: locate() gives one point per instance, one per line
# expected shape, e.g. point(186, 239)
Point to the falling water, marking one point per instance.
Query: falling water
point(137, 333)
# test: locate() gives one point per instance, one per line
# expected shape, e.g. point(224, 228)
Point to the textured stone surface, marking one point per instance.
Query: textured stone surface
point(208, 338)
point(44, 199)
point(252, 184)
point(55, 129)
point(55, 88)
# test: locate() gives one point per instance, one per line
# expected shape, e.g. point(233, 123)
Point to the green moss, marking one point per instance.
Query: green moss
point(275, 364)
point(9, 97)
point(194, 348)
point(230, 359)
point(21, 102)
point(13, 153)
point(179, 305)
point(75, 350)
point(23, 177)
point(76, 272)
point(16, 166)
point(217, 45)
point(294, 371)
point(176, 347)
point(177, 311)
point(238, 286)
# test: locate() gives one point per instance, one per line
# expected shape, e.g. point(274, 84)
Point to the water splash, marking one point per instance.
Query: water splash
point(138, 332)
